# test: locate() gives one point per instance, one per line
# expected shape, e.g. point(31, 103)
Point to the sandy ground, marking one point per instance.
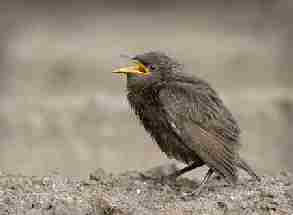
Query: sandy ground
point(132, 193)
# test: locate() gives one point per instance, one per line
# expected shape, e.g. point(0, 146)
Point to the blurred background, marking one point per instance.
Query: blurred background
point(62, 109)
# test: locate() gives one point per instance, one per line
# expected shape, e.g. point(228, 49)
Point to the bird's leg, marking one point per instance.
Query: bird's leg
point(184, 170)
point(172, 177)
point(203, 183)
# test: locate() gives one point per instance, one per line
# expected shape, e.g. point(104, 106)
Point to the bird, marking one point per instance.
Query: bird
point(185, 116)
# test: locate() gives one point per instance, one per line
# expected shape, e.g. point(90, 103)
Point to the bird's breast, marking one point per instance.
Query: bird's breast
point(155, 121)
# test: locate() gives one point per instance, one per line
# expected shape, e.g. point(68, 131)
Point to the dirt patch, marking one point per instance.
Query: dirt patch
point(134, 193)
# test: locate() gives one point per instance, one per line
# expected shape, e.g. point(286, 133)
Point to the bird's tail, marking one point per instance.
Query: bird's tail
point(243, 165)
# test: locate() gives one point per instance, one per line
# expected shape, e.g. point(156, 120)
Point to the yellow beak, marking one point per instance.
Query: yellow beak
point(131, 69)
point(138, 68)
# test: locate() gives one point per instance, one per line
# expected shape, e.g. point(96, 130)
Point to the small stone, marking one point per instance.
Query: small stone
point(138, 191)
point(99, 175)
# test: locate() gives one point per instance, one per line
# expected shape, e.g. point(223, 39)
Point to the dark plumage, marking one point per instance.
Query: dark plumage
point(185, 116)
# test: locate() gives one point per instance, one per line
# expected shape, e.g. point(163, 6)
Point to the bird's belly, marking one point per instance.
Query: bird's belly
point(172, 146)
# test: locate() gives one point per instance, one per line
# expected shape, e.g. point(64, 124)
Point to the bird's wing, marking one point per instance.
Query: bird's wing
point(192, 114)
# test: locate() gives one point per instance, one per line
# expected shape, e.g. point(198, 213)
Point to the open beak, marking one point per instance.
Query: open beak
point(138, 69)
point(131, 69)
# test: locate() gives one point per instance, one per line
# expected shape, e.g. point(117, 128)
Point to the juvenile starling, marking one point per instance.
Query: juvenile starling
point(185, 116)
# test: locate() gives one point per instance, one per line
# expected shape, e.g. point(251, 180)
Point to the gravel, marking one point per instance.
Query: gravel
point(137, 193)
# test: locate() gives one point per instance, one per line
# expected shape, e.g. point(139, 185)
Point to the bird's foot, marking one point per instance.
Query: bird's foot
point(201, 186)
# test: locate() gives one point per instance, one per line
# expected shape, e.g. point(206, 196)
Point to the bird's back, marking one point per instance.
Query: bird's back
point(201, 102)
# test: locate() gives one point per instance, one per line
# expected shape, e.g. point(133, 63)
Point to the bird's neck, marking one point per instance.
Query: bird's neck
point(142, 89)
point(141, 97)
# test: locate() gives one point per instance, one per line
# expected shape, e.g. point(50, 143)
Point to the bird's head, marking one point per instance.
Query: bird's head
point(149, 68)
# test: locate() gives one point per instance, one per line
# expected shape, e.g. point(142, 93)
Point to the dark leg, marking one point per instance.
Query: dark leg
point(172, 177)
point(184, 170)
point(203, 183)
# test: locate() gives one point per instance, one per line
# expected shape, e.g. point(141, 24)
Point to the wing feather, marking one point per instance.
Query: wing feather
point(194, 114)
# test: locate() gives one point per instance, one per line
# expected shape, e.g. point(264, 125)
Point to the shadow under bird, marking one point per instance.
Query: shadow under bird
point(185, 116)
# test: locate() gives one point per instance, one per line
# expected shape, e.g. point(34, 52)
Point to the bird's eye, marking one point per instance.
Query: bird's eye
point(153, 67)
